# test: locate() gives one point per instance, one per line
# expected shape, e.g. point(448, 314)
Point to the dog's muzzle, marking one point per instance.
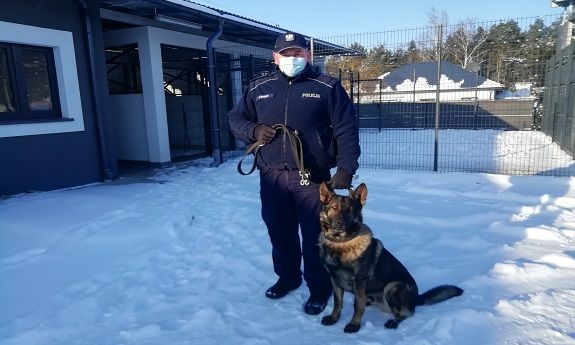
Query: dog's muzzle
point(333, 230)
point(326, 220)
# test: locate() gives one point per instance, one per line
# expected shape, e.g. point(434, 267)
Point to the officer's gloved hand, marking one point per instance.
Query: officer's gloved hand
point(264, 134)
point(341, 180)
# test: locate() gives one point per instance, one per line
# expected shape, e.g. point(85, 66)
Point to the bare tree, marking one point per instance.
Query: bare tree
point(466, 43)
point(435, 19)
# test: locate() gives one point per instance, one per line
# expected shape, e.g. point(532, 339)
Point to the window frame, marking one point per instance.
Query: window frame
point(11, 73)
point(68, 85)
point(24, 113)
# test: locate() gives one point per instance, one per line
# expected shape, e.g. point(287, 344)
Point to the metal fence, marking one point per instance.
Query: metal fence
point(465, 97)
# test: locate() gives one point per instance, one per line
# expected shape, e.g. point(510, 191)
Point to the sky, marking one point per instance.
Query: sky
point(332, 18)
point(180, 256)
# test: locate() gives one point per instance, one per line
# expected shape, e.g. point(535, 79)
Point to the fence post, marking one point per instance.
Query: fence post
point(412, 119)
point(380, 103)
point(351, 85)
point(437, 93)
point(311, 43)
point(358, 95)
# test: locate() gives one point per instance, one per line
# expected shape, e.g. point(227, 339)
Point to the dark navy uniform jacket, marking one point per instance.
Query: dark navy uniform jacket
point(314, 104)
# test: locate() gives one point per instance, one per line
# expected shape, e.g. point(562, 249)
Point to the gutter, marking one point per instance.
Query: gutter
point(108, 172)
point(216, 139)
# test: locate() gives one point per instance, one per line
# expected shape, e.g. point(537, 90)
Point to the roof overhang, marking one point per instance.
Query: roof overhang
point(562, 3)
point(190, 17)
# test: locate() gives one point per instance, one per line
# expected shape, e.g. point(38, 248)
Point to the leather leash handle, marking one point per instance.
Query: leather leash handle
point(297, 151)
point(296, 148)
point(252, 148)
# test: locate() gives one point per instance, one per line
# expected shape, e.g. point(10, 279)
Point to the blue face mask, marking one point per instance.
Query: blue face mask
point(292, 65)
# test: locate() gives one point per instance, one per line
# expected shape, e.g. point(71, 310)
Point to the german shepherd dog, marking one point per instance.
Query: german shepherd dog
point(358, 262)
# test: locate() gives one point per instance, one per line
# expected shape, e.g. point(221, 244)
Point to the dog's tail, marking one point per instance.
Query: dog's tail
point(439, 294)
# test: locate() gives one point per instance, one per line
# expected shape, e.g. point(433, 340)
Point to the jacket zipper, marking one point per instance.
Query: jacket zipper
point(286, 115)
point(285, 124)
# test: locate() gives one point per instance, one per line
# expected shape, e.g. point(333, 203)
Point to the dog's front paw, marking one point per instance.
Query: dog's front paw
point(351, 328)
point(328, 320)
point(391, 324)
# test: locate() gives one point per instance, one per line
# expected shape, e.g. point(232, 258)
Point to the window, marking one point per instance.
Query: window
point(28, 88)
point(59, 108)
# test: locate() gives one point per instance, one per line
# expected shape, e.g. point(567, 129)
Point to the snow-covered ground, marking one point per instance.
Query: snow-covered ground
point(487, 150)
point(182, 257)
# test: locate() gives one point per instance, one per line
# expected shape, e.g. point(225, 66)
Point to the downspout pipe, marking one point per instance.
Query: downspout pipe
point(108, 172)
point(216, 139)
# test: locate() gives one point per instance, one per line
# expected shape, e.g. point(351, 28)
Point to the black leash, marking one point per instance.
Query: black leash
point(296, 148)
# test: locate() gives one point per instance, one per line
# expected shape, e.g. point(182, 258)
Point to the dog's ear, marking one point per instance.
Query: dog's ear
point(360, 193)
point(325, 193)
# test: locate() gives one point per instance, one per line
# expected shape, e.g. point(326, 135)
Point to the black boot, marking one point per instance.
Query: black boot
point(316, 303)
point(280, 289)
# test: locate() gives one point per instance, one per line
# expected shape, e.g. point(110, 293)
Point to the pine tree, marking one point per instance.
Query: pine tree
point(412, 54)
point(537, 48)
point(347, 66)
point(503, 54)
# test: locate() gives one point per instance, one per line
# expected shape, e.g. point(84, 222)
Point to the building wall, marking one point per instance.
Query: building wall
point(559, 99)
point(154, 115)
point(425, 96)
point(194, 119)
point(54, 156)
point(497, 114)
point(129, 127)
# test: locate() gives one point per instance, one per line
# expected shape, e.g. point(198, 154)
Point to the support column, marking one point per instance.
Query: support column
point(150, 53)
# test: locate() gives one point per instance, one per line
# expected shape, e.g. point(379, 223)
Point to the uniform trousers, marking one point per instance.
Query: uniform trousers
point(287, 208)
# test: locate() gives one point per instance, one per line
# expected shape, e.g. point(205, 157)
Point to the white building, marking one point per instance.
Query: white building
point(417, 82)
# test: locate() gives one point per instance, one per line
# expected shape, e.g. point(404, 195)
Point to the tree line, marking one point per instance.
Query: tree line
point(504, 51)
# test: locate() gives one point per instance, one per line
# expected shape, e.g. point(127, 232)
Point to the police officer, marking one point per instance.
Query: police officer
point(319, 109)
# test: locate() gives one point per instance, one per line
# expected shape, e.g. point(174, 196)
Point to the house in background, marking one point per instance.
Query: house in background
point(417, 82)
point(87, 86)
point(406, 98)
